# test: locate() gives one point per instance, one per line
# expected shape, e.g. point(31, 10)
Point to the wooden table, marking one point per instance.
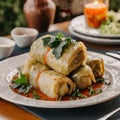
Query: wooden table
point(9, 111)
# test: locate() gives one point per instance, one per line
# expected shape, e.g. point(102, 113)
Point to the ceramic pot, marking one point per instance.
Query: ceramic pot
point(39, 14)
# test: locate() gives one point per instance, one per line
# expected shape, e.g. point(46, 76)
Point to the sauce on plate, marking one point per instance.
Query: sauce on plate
point(42, 96)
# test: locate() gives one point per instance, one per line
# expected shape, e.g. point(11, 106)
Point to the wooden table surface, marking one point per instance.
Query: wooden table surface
point(9, 111)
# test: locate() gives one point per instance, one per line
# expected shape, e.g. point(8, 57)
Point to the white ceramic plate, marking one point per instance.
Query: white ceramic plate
point(112, 73)
point(79, 25)
point(98, 40)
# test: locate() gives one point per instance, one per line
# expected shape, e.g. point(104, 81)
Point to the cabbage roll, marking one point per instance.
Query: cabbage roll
point(54, 84)
point(83, 77)
point(33, 64)
point(97, 66)
point(72, 57)
point(49, 82)
point(31, 70)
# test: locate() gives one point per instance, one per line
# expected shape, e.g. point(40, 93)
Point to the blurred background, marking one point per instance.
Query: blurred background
point(12, 15)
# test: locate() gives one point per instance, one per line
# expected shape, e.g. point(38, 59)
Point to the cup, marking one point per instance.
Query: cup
point(24, 37)
point(95, 12)
point(6, 47)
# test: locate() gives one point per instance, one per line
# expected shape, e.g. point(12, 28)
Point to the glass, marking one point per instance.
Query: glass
point(95, 12)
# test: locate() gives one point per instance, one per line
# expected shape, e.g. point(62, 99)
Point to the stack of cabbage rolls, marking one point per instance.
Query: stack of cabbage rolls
point(50, 82)
point(58, 77)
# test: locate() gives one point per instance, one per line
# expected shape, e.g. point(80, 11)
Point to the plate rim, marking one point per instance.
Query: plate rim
point(15, 98)
point(81, 17)
point(97, 40)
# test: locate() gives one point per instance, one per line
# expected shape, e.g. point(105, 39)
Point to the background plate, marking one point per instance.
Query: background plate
point(79, 25)
point(97, 40)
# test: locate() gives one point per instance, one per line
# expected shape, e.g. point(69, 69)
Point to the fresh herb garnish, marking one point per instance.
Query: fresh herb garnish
point(25, 89)
point(59, 49)
point(98, 91)
point(94, 92)
point(35, 95)
point(21, 79)
point(58, 43)
point(100, 80)
point(21, 83)
point(14, 86)
point(77, 93)
point(91, 90)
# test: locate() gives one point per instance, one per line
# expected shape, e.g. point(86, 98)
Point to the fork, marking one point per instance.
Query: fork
point(115, 54)
point(109, 114)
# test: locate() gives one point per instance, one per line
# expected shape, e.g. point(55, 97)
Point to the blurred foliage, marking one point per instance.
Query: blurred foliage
point(114, 5)
point(11, 15)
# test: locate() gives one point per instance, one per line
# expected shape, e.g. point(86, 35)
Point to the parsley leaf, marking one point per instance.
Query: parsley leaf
point(58, 51)
point(22, 80)
point(51, 42)
point(91, 90)
point(77, 93)
point(55, 44)
point(60, 35)
point(47, 41)
point(58, 43)
point(100, 80)
point(35, 95)
point(21, 83)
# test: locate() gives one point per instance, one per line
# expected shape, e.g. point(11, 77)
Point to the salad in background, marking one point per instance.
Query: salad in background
point(112, 23)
